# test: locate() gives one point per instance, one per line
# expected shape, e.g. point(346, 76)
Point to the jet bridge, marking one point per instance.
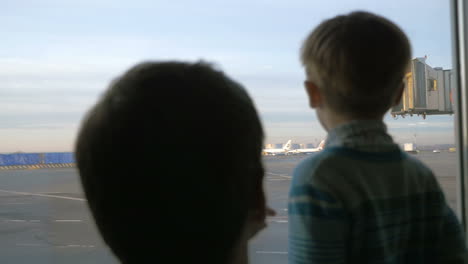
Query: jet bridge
point(428, 91)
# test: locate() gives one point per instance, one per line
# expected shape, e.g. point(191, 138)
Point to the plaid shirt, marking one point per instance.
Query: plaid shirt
point(363, 200)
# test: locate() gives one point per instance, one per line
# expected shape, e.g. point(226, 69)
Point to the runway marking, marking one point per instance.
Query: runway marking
point(272, 252)
point(279, 175)
point(280, 221)
point(76, 246)
point(277, 221)
point(45, 195)
point(60, 246)
point(19, 221)
point(39, 221)
point(278, 217)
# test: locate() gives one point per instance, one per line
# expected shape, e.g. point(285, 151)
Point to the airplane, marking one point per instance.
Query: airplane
point(278, 151)
point(309, 150)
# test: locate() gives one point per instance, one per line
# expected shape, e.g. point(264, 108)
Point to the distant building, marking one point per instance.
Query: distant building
point(295, 146)
point(278, 145)
point(269, 146)
point(410, 148)
point(302, 145)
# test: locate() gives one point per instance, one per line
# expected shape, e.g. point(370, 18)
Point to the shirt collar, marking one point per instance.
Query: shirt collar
point(364, 135)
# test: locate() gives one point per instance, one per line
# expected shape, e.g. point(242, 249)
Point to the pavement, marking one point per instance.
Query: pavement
point(44, 217)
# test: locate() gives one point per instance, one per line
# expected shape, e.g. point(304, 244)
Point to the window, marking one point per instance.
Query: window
point(59, 56)
point(432, 85)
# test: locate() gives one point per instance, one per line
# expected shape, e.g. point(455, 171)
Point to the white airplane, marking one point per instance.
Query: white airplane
point(278, 151)
point(309, 150)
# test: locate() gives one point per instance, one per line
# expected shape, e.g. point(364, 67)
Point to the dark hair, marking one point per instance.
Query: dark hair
point(359, 61)
point(170, 162)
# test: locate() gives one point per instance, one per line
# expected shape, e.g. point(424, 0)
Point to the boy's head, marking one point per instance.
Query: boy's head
point(356, 64)
point(170, 162)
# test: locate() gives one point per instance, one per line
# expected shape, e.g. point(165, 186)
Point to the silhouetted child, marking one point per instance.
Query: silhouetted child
point(170, 162)
point(362, 200)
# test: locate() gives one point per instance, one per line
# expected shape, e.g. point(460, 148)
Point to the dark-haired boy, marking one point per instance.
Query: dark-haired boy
point(170, 162)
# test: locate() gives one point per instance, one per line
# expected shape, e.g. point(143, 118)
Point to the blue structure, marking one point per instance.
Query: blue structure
point(58, 158)
point(36, 158)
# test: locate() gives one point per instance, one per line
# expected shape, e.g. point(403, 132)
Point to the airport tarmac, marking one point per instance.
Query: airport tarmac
point(44, 218)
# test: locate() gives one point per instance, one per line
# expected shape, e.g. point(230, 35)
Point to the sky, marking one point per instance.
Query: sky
point(57, 57)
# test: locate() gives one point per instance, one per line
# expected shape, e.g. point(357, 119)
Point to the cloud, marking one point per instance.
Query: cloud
point(37, 140)
point(41, 126)
point(72, 68)
point(51, 72)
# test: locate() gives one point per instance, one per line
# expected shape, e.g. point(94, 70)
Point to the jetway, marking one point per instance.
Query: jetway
point(428, 91)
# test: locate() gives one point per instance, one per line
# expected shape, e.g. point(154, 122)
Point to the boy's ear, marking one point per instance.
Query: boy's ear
point(315, 97)
point(399, 94)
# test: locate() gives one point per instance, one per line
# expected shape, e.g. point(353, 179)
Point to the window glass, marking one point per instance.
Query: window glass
point(57, 57)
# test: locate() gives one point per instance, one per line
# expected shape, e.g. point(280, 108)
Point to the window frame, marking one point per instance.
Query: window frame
point(459, 11)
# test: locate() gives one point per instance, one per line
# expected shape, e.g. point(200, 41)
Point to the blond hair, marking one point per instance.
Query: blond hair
point(358, 61)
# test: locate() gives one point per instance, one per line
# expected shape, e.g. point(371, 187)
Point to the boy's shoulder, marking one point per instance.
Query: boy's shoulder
point(321, 163)
point(315, 162)
point(337, 157)
point(342, 160)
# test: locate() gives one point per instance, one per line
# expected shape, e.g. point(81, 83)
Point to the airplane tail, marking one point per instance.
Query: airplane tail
point(321, 145)
point(287, 146)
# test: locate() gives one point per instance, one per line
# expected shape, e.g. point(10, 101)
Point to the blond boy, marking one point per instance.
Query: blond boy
point(362, 200)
